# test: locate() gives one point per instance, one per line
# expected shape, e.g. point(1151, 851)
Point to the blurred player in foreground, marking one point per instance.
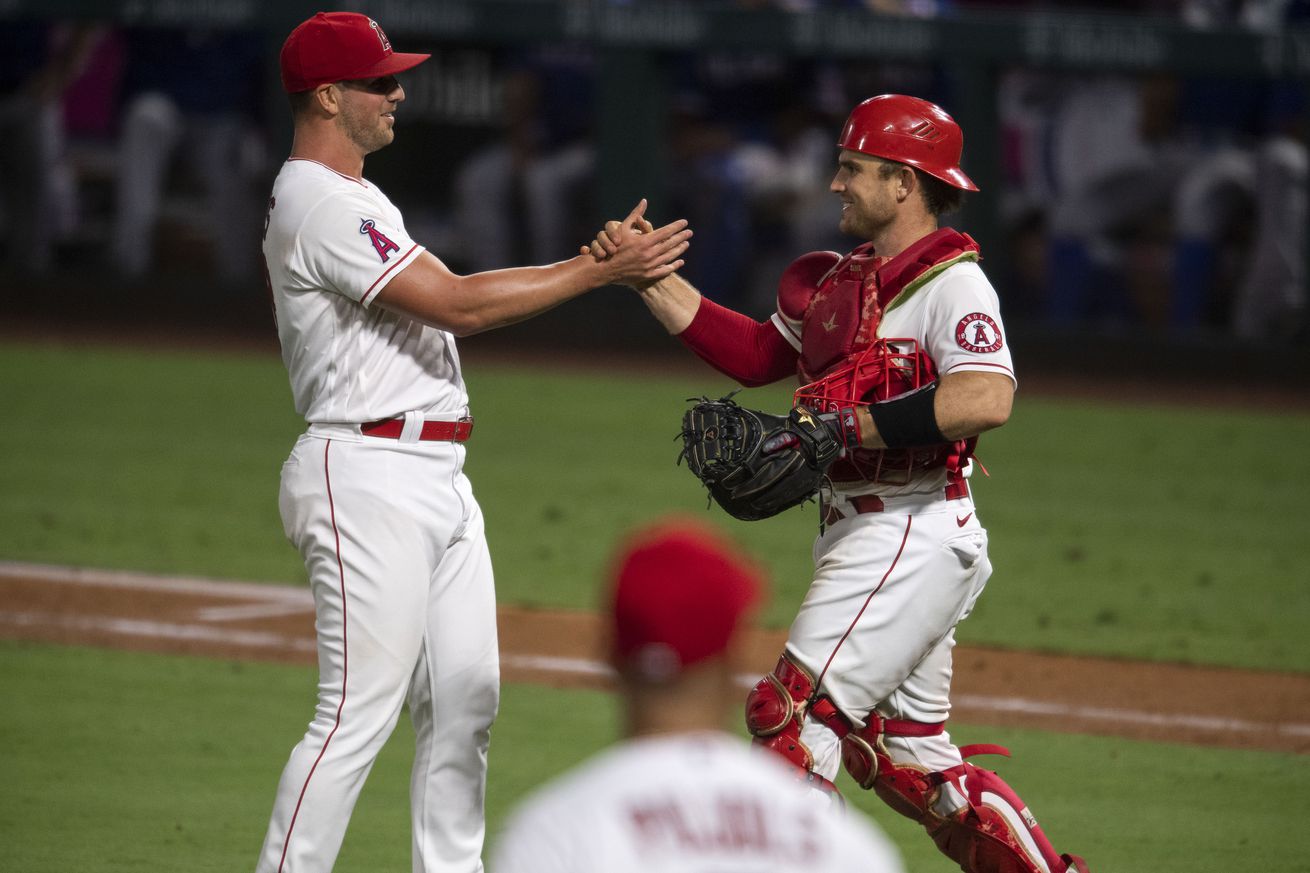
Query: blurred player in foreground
point(678, 794)
point(374, 494)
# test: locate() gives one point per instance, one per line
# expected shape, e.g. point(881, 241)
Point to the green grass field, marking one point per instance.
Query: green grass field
point(122, 762)
point(1119, 530)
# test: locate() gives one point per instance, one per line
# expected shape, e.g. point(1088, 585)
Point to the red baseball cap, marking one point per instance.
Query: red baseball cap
point(679, 596)
point(338, 46)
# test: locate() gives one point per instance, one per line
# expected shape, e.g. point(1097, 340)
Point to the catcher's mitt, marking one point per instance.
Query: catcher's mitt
point(755, 464)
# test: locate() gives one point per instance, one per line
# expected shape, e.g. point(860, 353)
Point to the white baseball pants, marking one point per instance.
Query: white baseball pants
point(405, 611)
point(876, 628)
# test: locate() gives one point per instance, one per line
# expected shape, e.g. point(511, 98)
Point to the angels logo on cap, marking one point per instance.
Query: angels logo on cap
point(339, 46)
point(382, 37)
point(977, 332)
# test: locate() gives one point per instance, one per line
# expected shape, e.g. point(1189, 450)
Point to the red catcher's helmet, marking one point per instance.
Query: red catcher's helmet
point(909, 131)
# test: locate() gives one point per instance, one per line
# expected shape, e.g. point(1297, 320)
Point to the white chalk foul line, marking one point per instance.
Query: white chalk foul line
point(281, 599)
point(157, 630)
point(582, 667)
point(175, 584)
point(253, 610)
point(550, 664)
point(1131, 716)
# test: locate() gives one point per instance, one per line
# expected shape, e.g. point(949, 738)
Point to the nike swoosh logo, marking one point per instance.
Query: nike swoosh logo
point(961, 521)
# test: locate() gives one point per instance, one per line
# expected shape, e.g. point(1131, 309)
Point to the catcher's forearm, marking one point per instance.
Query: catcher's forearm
point(749, 351)
point(673, 301)
point(961, 405)
point(970, 402)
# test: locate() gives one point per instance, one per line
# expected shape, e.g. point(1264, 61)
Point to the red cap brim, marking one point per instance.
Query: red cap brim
point(957, 178)
point(396, 62)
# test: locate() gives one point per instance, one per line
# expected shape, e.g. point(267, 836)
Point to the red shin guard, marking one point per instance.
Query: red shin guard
point(775, 711)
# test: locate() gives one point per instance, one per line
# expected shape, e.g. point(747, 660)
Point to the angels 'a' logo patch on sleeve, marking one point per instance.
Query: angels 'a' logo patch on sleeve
point(978, 333)
point(381, 242)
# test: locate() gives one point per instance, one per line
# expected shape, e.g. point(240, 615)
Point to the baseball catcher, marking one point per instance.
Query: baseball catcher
point(900, 352)
point(755, 464)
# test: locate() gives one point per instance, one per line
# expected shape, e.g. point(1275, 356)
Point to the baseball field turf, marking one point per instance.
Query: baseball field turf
point(1163, 533)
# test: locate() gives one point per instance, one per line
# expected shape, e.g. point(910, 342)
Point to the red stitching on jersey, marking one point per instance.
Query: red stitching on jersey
point(981, 364)
point(359, 182)
point(909, 519)
point(345, 661)
point(369, 292)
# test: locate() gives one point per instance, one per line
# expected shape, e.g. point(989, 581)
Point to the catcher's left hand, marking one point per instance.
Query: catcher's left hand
point(755, 464)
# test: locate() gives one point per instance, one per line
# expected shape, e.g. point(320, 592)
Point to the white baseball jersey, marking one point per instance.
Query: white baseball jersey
point(332, 243)
point(686, 803)
point(391, 535)
point(956, 319)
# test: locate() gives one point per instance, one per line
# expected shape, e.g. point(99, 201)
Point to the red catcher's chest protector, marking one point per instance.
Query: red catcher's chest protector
point(843, 360)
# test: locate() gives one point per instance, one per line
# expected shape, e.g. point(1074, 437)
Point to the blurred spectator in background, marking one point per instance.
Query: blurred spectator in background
point(1177, 202)
point(1169, 201)
point(1113, 166)
point(1271, 300)
point(197, 93)
point(786, 172)
point(38, 61)
point(1252, 191)
point(1240, 214)
point(719, 141)
point(750, 155)
point(524, 197)
point(1266, 15)
point(751, 140)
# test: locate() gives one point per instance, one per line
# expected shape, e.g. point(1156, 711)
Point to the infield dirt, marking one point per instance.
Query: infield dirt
point(1151, 701)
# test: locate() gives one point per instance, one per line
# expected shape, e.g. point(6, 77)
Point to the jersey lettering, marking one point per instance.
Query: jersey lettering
point(731, 825)
point(381, 242)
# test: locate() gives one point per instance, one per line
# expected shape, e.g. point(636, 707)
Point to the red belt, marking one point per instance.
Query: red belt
point(864, 503)
point(873, 503)
point(440, 431)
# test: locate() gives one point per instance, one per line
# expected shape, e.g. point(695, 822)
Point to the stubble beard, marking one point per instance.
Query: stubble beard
point(865, 224)
point(368, 134)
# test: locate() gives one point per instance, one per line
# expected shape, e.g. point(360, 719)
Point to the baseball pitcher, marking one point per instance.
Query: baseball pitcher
point(373, 494)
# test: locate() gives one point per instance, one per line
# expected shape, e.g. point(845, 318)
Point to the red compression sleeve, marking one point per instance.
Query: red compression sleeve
point(752, 352)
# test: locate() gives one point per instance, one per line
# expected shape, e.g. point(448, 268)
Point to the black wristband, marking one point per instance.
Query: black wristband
point(908, 421)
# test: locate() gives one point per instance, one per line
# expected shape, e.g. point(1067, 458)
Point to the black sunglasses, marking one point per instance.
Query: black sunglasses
point(380, 85)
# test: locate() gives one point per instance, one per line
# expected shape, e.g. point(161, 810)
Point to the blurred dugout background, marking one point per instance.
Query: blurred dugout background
point(1143, 164)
